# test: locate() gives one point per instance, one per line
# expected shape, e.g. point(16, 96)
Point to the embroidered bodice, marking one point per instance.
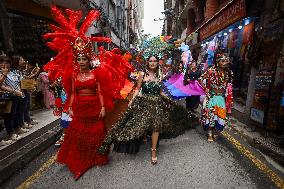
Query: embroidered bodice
point(85, 83)
point(216, 80)
point(151, 87)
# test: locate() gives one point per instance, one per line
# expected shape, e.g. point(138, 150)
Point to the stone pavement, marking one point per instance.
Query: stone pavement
point(44, 117)
point(269, 145)
point(187, 161)
point(16, 155)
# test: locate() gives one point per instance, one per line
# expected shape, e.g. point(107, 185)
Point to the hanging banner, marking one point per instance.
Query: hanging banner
point(230, 14)
point(248, 34)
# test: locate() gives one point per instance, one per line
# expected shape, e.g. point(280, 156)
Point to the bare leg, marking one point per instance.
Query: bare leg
point(210, 135)
point(215, 134)
point(155, 137)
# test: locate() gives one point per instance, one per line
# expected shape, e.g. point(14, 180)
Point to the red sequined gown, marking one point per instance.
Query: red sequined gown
point(86, 131)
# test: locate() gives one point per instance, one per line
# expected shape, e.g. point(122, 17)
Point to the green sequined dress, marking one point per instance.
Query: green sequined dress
point(149, 112)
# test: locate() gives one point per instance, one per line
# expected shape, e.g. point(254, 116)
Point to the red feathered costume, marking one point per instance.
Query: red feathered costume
point(87, 130)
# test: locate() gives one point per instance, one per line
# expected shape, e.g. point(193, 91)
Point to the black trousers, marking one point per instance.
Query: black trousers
point(192, 102)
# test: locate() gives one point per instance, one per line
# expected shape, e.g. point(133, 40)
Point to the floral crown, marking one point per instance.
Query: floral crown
point(153, 47)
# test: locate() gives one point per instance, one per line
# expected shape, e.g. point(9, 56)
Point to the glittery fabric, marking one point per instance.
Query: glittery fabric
point(148, 113)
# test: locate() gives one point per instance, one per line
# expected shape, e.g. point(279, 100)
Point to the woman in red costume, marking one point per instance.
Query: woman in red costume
point(87, 129)
point(89, 91)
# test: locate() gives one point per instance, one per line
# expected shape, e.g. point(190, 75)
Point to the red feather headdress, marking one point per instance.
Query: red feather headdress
point(71, 42)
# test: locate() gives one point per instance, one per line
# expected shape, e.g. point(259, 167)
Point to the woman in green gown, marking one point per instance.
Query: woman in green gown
point(149, 111)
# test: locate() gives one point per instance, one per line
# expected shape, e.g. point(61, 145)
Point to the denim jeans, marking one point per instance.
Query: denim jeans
point(27, 105)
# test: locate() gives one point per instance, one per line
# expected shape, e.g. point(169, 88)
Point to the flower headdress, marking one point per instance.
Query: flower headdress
point(153, 47)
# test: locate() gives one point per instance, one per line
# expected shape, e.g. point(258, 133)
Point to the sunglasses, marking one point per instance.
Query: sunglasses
point(153, 60)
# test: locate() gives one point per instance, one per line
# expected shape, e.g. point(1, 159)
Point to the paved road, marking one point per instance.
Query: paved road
point(187, 161)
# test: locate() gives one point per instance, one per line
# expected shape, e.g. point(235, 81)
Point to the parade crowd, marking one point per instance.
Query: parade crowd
point(15, 98)
point(85, 86)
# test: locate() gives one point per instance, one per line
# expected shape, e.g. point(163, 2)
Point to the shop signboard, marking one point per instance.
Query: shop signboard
point(263, 80)
point(257, 115)
point(230, 14)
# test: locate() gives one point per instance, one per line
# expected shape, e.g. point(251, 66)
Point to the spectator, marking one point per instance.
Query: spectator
point(192, 74)
point(11, 85)
point(47, 94)
point(31, 72)
point(18, 66)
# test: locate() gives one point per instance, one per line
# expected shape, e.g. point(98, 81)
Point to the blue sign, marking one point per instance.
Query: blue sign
point(257, 115)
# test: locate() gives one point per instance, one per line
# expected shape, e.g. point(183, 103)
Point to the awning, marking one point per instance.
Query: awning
point(232, 12)
point(74, 4)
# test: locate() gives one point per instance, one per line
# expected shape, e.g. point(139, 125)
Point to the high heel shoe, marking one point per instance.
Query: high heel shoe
point(154, 160)
point(78, 175)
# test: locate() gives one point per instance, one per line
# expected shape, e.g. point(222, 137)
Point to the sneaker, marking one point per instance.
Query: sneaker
point(22, 131)
point(27, 126)
point(5, 142)
point(33, 122)
point(15, 137)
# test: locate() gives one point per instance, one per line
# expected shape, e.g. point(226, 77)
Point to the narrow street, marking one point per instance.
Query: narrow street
point(79, 76)
point(187, 161)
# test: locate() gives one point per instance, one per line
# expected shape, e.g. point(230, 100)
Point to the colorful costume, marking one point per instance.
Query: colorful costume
point(47, 94)
point(86, 131)
point(149, 112)
point(214, 107)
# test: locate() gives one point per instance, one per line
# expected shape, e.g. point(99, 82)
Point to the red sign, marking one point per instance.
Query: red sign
point(232, 13)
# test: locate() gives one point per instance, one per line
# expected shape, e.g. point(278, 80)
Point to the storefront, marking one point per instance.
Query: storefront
point(27, 24)
point(27, 38)
point(254, 45)
point(269, 77)
point(232, 32)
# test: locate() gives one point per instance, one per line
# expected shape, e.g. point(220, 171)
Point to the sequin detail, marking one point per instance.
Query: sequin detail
point(149, 113)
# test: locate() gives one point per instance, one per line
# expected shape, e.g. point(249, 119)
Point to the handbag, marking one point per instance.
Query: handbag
point(29, 84)
point(65, 120)
point(5, 105)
